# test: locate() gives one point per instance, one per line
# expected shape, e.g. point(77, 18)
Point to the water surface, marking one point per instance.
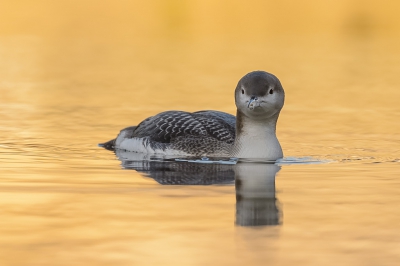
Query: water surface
point(78, 75)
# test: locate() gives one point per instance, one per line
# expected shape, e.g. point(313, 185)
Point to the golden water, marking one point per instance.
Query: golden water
point(73, 74)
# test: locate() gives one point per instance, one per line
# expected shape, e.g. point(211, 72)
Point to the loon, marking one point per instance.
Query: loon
point(259, 98)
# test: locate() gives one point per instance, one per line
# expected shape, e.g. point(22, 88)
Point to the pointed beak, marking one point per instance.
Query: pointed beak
point(252, 99)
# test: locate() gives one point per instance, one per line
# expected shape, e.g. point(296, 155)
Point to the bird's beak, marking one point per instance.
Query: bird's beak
point(251, 102)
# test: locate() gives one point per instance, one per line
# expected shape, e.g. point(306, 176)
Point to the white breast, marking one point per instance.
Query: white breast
point(257, 140)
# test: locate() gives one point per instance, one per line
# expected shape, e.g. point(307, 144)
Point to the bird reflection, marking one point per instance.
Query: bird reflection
point(256, 202)
point(172, 172)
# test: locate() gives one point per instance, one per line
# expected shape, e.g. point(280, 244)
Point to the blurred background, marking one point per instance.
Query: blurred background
point(339, 57)
point(73, 73)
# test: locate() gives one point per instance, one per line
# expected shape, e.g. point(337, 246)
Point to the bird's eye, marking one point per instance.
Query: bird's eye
point(242, 91)
point(271, 91)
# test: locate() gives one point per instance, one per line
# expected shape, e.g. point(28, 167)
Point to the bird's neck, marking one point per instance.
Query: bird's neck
point(256, 139)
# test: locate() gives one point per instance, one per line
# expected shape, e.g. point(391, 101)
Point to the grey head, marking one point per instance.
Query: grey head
point(259, 95)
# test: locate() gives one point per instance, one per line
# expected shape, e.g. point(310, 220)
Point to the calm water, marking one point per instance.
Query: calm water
point(73, 77)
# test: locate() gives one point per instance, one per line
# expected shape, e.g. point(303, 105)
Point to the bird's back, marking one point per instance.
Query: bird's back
point(202, 133)
point(168, 126)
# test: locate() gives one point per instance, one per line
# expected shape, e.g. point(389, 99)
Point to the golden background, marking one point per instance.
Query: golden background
point(73, 73)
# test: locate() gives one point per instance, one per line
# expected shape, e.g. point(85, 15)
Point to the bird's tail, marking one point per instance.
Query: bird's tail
point(125, 133)
point(109, 145)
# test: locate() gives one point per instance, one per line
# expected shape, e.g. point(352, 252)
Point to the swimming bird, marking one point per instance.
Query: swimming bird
point(259, 98)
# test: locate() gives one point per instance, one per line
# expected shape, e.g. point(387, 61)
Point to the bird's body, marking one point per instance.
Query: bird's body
point(201, 133)
point(259, 98)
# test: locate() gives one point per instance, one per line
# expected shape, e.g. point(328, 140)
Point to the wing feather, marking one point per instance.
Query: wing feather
point(167, 126)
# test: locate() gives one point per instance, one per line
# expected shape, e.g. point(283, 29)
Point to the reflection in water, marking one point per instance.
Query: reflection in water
point(71, 72)
point(256, 203)
point(171, 172)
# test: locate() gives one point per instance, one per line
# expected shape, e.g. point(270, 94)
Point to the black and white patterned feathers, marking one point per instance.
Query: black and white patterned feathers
point(203, 133)
point(172, 132)
point(259, 97)
point(166, 127)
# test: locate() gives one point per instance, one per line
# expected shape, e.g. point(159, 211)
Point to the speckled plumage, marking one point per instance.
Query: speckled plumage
point(198, 133)
point(166, 127)
point(259, 97)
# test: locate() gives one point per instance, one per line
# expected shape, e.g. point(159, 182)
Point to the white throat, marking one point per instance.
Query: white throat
point(256, 139)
